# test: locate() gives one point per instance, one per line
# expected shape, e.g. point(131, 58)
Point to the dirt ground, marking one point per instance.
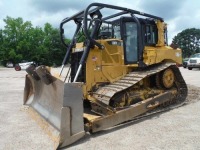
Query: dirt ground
point(175, 129)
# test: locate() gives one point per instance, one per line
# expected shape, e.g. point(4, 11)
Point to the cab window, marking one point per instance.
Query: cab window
point(131, 40)
point(116, 31)
point(151, 34)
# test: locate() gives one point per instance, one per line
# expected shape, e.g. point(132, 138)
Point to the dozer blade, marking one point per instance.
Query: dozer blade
point(55, 105)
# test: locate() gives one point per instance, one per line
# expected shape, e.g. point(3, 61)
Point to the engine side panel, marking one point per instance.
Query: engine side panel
point(154, 55)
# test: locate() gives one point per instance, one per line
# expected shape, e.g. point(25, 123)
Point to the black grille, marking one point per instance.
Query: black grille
point(193, 61)
point(75, 59)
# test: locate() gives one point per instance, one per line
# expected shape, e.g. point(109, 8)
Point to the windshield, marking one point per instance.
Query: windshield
point(195, 56)
point(116, 29)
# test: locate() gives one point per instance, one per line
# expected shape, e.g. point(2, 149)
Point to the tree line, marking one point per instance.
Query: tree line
point(189, 41)
point(19, 41)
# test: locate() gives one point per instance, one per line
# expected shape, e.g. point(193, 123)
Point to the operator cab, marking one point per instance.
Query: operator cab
point(127, 29)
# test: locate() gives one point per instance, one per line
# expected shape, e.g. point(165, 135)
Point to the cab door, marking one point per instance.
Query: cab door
point(130, 39)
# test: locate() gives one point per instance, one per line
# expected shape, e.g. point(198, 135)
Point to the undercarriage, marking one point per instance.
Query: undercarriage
point(137, 93)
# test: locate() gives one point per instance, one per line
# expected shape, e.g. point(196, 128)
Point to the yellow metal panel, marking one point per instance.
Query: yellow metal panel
point(153, 55)
point(169, 54)
point(161, 26)
point(149, 55)
point(112, 54)
point(114, 73)
point(105, 65)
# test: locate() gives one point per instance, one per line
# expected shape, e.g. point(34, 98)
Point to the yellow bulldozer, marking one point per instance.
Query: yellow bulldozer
point(123, 69)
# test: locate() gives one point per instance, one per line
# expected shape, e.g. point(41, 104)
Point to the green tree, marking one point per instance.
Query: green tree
point(15, 34)
point(19, 41)
point(54, 49)
point(36, 40)
point(81, 36)
point(189, 41)
point(2, 53)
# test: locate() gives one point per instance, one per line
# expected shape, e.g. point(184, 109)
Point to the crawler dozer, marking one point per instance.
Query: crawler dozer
point(122, 69)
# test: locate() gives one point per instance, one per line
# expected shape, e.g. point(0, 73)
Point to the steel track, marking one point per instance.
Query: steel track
point(105, 93)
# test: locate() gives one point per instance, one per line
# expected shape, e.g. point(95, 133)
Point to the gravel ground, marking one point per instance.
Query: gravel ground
point(175, 129)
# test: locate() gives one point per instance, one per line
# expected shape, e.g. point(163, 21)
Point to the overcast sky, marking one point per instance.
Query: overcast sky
point(178, 14)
